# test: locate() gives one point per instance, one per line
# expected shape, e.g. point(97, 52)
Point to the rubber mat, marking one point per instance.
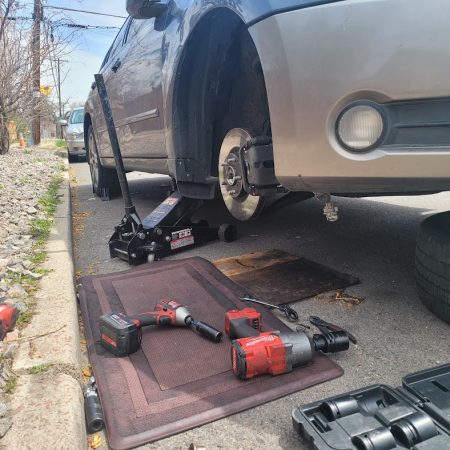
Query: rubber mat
point(279, 277)
point(177, 380)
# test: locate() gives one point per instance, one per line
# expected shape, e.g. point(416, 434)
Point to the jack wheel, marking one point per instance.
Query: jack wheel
point(227, 233)
point(71, 158)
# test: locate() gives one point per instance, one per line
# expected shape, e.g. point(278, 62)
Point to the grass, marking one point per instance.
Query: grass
point(40, 228)
point(40, 231)
point(20, 278)
point(50, 200)
point(60, 143)
point(38, 257)
point(39, 369)
point(25, 316)
point(25, 180)
point(10, 386)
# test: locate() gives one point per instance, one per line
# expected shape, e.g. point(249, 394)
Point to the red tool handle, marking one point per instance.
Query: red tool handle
point(164, 318)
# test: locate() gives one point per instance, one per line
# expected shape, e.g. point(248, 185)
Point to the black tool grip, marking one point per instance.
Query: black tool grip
point(240, 328)
point(146, 319)
point(206, 331)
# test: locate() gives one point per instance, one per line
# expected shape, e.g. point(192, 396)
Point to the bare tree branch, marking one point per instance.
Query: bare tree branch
point(16, 56)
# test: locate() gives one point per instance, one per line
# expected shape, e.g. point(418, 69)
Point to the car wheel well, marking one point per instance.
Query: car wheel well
point(220, 86)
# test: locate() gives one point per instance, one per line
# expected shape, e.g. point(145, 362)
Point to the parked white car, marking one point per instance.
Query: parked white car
point(75, 135)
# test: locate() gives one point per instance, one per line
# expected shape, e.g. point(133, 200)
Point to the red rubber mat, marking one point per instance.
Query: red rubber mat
point(177, 380)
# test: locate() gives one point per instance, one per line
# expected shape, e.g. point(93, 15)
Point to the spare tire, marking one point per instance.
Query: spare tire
point(433, 264)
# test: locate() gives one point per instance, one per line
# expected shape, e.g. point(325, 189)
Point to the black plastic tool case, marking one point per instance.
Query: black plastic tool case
point(415, 416)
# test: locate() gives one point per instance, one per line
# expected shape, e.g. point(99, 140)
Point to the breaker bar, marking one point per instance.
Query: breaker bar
point(168, 228)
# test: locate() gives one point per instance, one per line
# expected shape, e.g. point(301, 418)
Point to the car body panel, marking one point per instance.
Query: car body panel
point(317, 56)
point(383, 51)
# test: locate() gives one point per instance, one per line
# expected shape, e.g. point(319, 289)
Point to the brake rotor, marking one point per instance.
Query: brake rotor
point(240, 203)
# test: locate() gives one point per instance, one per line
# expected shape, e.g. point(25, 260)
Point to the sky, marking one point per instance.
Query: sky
point(89, 46)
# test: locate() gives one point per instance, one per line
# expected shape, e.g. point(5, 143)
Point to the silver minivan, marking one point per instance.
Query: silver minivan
point(255, 99)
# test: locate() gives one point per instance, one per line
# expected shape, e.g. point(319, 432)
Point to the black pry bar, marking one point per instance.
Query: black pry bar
point(107, 111)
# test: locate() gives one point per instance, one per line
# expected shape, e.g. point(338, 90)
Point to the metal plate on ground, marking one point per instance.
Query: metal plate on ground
point(279, 277)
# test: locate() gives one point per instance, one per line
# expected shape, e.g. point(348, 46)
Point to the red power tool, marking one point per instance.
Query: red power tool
point(122, 335)
point(8, 317)
point(255, 353)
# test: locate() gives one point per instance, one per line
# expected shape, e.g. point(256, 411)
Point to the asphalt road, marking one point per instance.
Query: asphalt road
point(373, 240)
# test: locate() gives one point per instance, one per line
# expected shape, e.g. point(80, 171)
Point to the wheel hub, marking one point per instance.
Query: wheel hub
point(232, 174)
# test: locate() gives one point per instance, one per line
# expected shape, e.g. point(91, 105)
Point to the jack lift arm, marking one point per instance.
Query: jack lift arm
point(168, 228)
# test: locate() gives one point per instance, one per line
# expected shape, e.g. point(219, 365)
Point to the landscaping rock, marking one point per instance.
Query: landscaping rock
point(9, 354)
point(21, 307)
point(3, 409)
point(17, 291)
point(3, 264)
point(5, 425)
point(19, 203)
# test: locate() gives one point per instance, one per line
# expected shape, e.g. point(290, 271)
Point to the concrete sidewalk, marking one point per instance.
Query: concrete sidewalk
point(47, 405)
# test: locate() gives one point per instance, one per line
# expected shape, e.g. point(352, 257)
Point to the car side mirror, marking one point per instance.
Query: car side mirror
point(62, 122)
point(146, 9)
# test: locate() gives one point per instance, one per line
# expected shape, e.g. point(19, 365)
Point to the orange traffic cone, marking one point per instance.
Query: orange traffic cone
point(21, 141)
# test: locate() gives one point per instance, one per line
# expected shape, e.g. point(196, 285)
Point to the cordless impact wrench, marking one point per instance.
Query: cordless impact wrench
point(254, 352)
point(122, 335)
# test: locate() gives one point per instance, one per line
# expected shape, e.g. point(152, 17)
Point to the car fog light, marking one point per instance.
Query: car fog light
point(360, 127)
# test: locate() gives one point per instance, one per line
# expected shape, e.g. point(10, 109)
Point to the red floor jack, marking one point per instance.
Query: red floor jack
point(168, 229)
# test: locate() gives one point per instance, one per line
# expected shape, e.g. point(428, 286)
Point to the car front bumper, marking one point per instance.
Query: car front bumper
point(318, 60)
point(76, 147)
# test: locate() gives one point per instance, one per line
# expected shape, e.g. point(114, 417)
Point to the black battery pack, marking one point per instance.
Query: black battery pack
point(415, 416)
point(119, 334)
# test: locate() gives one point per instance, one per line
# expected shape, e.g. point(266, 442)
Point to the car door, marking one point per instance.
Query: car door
point(136, 87)
point(107, 70)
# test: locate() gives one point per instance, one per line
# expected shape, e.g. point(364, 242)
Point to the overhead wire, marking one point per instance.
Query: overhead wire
point(63, 8)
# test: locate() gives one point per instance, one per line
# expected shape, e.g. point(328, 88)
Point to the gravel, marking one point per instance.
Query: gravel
point(24, 178)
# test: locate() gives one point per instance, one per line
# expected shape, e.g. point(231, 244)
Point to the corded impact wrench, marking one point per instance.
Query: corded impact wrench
point(254, 352)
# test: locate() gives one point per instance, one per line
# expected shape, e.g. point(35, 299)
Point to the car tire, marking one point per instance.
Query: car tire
point(433, 264)
point(105, 182)
point(71, 158)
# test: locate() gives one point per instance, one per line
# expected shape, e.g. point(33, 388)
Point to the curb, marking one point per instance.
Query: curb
point(49, 406)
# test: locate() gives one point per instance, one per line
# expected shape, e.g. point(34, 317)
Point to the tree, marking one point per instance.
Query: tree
point(16, 69)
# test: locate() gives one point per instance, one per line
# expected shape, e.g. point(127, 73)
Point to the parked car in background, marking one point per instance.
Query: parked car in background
point(75, 135)
point(260, 98)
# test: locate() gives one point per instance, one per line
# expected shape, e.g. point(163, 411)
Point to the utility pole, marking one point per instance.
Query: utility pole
point(59, 97)
point(36, 70)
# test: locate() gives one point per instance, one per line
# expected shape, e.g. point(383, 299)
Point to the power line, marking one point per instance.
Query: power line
point(68, 24)
point(86, 27)
point(83, 11)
